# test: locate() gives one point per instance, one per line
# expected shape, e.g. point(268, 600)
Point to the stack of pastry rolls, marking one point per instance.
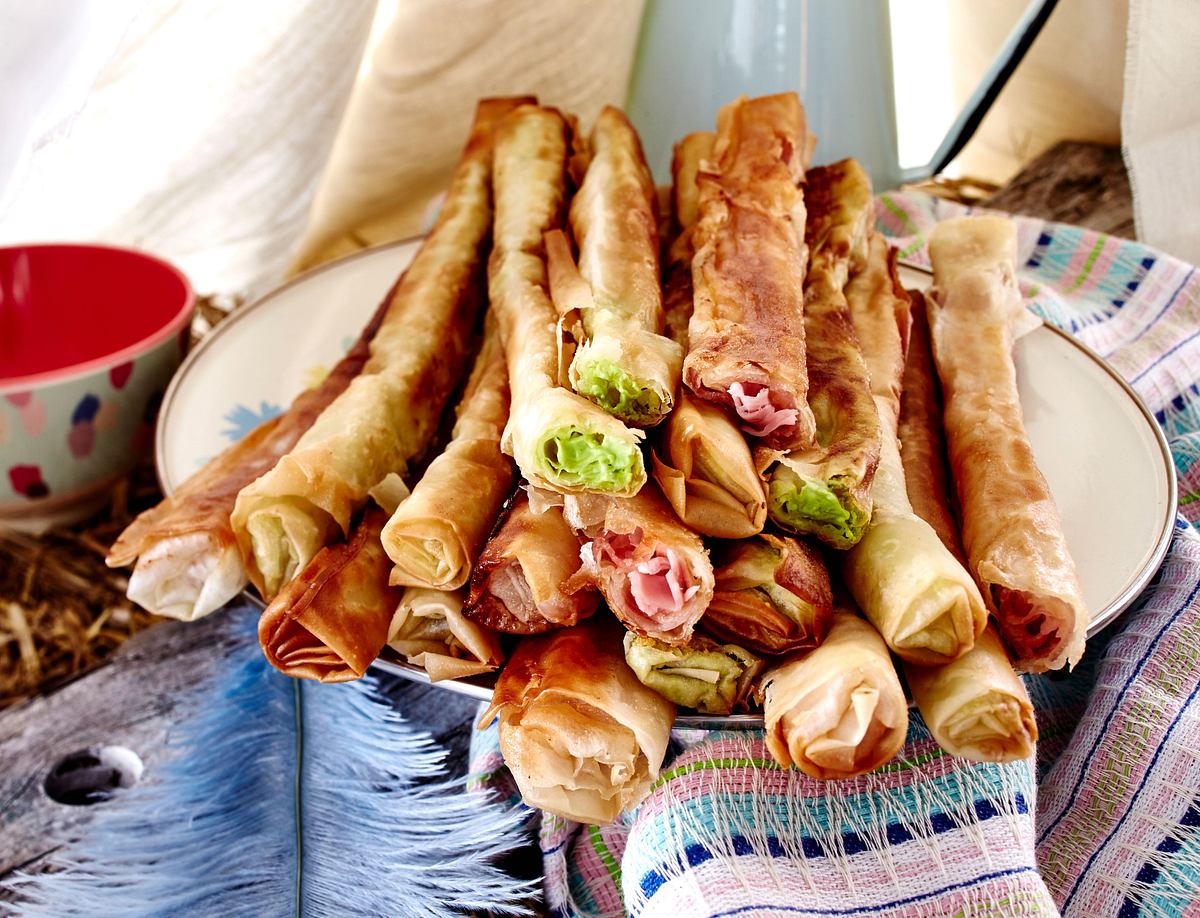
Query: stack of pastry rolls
point(707, 454)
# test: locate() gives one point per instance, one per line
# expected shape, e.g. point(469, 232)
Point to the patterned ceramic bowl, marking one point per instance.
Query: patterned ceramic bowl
point(89, 337)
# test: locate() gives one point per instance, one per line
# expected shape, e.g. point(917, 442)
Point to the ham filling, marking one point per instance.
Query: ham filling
point(1030, 623)
point(659, 586)
point(509, 585)
point(752, 402)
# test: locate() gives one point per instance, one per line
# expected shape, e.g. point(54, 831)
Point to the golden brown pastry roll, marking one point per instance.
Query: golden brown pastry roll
point(187, 561)
point(772, 595)
point(838, 711)
point(387, 415)
point(824, 488)
point(686, 160)
point(976, 707)
point(706, 472)
point(582, 736)
point(559, 439)
point(430, 631)
point(517, 583)
point(701, 461)
point(624, 364)
point(436, 534)
point(1011, 529)
point(331, 621)
point(907, 583)
point(653, 571)
point(922, 440)
point(746, 348)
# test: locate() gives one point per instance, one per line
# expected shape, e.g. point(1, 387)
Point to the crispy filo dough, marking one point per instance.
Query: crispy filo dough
point(825, 488)
point(429, 630)
point(517, 583)
point(654, 572)
point(706, 472)
point(582, 736)
point(701, 460)
point(625, 364)
point(1011, 527)
point(387, 415)
point(976, 707)
point(746, 347)
point(331, 620)
point(687, 159)
point(908, 584)
point(435, 536)
point(559, 439)
point(188, 563)
point(773, 595)
point(838, 711)
point(922, 439)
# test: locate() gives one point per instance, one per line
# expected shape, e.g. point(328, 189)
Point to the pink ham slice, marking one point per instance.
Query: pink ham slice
point(752, 402)
point(659, 586)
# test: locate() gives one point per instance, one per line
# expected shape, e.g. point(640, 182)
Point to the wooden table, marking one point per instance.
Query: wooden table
point(127, 702)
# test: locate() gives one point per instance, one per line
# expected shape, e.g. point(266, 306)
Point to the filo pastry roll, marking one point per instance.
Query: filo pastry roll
point(654, 572)
point(701, 461)
point(429, 630)
point(746, 348)
point(559, 439)
point(1011, 527)
point(517, 583)
point(436, 534)
point(187, 561)
point(387, 415)
point(584, 738)
point(922, 439)
point(772, 595)
point(975, 706)
point(838, 711)
point(686, 159)
point(331, 621)
point(703, 674)
point(824, 488)
point(624, 364)
point(905, 580)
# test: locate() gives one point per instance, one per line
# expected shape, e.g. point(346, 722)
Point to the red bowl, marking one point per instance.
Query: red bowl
point(89, 338)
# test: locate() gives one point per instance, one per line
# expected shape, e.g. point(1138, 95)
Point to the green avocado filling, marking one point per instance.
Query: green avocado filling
point(822, 508)
point(619, 393)
point(577, 458)
point(710, 678)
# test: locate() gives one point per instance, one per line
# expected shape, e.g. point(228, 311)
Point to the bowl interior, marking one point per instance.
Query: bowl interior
point(63, 307)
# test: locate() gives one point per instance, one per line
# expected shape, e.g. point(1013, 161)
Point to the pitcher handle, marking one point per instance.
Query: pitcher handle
point(1011, 53)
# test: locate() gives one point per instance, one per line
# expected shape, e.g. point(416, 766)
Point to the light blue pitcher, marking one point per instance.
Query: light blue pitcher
point(696, 55)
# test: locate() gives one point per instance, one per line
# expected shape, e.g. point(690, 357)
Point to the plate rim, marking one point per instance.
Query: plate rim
point(232, 320)
point(1115, 609)
point(1111, 613)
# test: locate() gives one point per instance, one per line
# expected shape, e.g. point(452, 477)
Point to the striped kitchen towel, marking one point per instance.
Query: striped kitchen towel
point(1105, 822)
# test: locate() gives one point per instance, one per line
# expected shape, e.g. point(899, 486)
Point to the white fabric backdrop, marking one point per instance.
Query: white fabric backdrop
point(410, 114)
point(193, 128)
point(200, 128)
point(1160, 123)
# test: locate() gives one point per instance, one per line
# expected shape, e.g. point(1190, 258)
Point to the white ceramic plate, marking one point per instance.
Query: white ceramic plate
point(1105, 458)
